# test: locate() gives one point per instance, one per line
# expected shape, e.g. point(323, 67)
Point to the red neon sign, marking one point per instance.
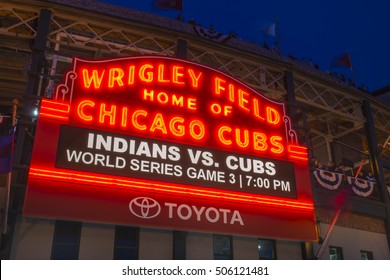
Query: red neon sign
point(172, 129)
point(157, 89)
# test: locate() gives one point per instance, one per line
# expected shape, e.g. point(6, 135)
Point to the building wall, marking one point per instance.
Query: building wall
point(155, 244)
point(32, 239)
point(288, 250)
point(245, 248)
point(96, 242)
point(353, 240)
point(351, 220)
point(199, 246)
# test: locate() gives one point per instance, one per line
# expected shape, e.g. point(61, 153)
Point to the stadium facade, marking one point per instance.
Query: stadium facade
point(231, 150)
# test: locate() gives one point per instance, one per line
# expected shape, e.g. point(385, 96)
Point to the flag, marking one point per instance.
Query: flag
point(169, 4)
point(343, 60)
point(6, 146)
point(6, 143)
point(5, 125)
point(270, 29)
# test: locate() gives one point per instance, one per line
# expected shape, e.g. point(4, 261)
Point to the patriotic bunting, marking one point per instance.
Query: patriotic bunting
point(333, 180)
point(361, 187)
point(212, 35)
point(328, 180)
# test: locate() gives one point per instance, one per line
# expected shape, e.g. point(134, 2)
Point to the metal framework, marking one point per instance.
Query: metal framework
point(72, 34)
point(333, 111)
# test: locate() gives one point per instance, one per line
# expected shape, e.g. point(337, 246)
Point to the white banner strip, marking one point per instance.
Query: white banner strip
point(234, 269)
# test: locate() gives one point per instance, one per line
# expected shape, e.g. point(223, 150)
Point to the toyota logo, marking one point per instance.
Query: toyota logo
point(144, 207)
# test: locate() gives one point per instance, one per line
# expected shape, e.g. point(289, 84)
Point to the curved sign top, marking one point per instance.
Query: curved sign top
point(174, 99)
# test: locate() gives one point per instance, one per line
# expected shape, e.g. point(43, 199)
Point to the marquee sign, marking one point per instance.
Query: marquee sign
point(164, 142)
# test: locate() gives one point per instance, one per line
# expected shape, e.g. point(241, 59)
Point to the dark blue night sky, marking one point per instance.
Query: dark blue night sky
point(310, 30)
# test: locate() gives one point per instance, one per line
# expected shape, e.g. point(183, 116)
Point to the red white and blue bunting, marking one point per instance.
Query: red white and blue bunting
point(361, 187)
point(328, 180)
point(333, 181)
point(210, 34)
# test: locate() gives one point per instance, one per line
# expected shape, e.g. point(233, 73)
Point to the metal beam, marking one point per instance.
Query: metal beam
point(377, 164)
point(23, 147)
